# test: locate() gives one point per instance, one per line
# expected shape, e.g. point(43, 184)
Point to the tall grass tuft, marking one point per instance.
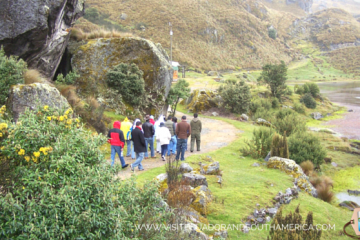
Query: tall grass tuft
point(33, 76)
point(307, 167)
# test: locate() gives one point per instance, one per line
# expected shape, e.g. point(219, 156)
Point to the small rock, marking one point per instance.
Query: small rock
point(221, 234)
point(185, 168)
point(123, 16)
point(194, 180)
point(334, 164)
point(246, 229)
point(263, 122)
point(212, 169)
point(316, 115)
point(215, 114)
point(268, 156)
point(288, 191)
point(256, 213)
point(244, 117)
point(272, 212)
point(212, 73)
point(350, 110)
point(256, 165)
point(268, 219)
point(288, 200)
point(258, 205)
point(260, 220)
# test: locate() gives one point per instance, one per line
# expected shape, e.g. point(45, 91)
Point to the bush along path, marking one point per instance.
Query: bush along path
point(215, 134)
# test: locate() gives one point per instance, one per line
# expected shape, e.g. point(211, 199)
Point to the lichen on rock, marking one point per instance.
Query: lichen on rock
point(202, 100)
point(33, 96)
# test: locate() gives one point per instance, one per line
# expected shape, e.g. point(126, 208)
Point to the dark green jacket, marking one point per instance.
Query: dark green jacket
point(196, 126)
point(171, 126)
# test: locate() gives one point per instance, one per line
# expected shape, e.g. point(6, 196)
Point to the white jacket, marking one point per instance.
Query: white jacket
point(163, 135)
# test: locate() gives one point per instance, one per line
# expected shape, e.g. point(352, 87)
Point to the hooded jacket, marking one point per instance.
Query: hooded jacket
point(125, 128)
point(195, 126)
point(116, 136)
point(163, 135)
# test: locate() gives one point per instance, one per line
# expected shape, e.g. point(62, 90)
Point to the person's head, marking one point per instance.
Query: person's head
point(169, 117)
point(183, 118)
point(174, 119)
point(117, 124)
point(195, 115)
point(162, 124)
point(147, 117)
point(138, 123)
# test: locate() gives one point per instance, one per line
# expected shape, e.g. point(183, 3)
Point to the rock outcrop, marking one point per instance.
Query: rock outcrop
point(305, 5)
point(33, 96)
point(94, 58)
point(202, 100)
point(301, 181)
point(38, 30)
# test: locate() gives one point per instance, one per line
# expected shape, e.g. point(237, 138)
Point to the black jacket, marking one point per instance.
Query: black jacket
point(139, 140)
point(149, 130)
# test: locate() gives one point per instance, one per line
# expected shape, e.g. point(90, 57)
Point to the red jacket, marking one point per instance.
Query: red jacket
point(152, 121)
point(116, 136)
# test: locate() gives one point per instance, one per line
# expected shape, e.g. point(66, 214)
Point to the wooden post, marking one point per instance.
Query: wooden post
point(183, 72)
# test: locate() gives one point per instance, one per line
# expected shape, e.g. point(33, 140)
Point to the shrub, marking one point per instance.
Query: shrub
point(288, 91)
point(262, 113)
point(236, 96)
point(279, 146)
point(11, 73)
point(275, 77)
point(305, 146)
point(309, 101)
point(70, 78)
point(307, 167)
point(289, 123)
point(272, 33)
point(128, 80)
point(323, 186)
point(63, 189)
point(260, 143)
point(299, 108)
point(311, 88)
point(32, 76)
point(294, 219)
point(275, 103)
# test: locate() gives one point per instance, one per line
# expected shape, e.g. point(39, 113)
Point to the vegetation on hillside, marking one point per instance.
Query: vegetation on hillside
point(236, 96)
point(179, 91)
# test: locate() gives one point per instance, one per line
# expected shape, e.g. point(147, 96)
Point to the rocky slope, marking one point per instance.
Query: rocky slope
point(38, 30)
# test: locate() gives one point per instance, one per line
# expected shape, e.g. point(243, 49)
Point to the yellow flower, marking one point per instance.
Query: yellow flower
point(45, 153)
point(23, 187)
point(3, 126)
point(68, 122)
point(65, 116)
point(36, 154)
point(1, 134)
point(77, 120)
point(46, 107)
point(61, 118)
point(27, 158)
point(34, 159)
point(2, 148)
point(21, 152)
point(67, 112)
point(40, 178)
point(41, 149)
point(49, 118)
point(77, 125)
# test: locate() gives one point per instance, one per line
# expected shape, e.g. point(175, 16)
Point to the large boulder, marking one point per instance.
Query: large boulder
point(202, 100)
point(38, 30)
point(33, 96)
point(94, 58)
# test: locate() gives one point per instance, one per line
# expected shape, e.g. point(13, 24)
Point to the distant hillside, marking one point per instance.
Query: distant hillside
point(351, 6)
point(212, 34)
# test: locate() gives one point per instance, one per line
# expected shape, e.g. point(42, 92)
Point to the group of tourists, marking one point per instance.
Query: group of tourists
point(171, 138)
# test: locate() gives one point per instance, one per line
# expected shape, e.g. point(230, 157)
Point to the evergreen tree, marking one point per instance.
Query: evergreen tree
point(275, 77)
point(179, 91)
point(236, 96)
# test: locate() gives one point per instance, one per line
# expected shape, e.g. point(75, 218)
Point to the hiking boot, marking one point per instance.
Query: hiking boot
point(163, 158)
point(146, 157)
point(141, 169)
point(132, 169)
point(125, 166)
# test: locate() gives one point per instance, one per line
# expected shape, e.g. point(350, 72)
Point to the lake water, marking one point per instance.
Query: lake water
point(344, 196)
point(344, 93)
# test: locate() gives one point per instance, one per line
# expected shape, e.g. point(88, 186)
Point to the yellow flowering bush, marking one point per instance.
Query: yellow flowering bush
point(55, 171)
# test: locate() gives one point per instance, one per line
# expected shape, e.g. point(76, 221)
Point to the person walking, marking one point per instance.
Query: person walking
point(139, 146)
point(196, 127)
point(163, 136)
point(130, 137)
point(125, 127)
point(157, 126)
point(149, 132)
point(183, 131)
point(171, 126)
point(117, 141)
point(174, 119)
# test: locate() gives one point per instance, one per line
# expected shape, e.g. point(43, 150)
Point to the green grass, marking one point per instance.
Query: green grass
point(318, 123)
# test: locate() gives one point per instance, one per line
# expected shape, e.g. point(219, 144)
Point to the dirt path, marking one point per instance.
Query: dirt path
point(215, 134)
